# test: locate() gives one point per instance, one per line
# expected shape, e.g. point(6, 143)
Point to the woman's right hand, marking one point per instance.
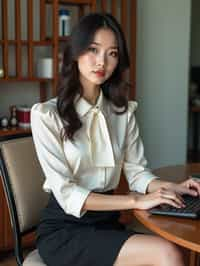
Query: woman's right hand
point(161, 196)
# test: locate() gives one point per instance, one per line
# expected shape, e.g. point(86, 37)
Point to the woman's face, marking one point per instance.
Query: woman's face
point(97, 64)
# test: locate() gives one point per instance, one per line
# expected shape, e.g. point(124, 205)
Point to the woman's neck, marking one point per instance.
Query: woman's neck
point(91, 95)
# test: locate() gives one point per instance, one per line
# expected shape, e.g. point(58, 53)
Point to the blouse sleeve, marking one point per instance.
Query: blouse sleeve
point(137, 175)
point(49, 148)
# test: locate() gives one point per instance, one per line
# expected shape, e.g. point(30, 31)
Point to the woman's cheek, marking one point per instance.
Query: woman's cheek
point(91, 59)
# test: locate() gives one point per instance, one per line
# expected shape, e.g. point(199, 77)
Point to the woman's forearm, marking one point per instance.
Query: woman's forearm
point(156, 184)
point(102, 202)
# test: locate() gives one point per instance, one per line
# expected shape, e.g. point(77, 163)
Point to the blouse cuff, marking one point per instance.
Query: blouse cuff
point(76, 201)
point(142, 182)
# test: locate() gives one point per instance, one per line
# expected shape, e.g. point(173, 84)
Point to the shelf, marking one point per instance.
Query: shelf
point(10, 133)
point(33, 79)
point(71, 2)
point(48, 42)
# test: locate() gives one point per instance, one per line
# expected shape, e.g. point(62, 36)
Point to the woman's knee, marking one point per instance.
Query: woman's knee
point(149, 250)
point(170, 254)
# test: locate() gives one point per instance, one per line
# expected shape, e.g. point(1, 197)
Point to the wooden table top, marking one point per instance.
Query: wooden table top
point(184, 232)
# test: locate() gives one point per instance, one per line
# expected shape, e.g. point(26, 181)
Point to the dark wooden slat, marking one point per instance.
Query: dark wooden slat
point(55, 46)
point(114, 7)
point(18, 37)
point(42, 20)
point(43, 94)
point(30, 37)
point(93, 6)
point(103, 5)
point(124, 24)
point(4, 19)
point(5, 37)
point(80, 11)
point(133, 47)
point(124, 11)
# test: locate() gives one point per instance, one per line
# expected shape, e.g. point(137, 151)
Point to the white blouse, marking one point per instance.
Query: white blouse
point(105, 144)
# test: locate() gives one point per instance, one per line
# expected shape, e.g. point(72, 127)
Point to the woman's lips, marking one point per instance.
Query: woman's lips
point(100, 73)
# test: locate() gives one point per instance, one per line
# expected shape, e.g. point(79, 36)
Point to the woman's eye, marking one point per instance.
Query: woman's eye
point(114, 54)
point(92, 49)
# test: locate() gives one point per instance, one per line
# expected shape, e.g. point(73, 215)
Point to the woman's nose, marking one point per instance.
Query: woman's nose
point(101, 60)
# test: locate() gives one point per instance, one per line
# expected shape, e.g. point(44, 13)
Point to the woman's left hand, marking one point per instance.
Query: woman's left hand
point(189, 186)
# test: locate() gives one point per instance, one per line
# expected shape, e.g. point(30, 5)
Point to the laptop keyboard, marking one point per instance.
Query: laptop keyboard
point(192, 209)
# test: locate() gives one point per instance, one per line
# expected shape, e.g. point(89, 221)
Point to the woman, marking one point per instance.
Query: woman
point(83, 138)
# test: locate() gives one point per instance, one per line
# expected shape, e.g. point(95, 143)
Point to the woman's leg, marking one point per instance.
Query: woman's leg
point(149, 250)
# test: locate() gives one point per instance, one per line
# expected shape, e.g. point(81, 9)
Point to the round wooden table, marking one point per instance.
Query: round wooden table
point(184, 232)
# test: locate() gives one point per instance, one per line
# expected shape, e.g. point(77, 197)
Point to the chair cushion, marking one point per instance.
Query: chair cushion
point(33, 259)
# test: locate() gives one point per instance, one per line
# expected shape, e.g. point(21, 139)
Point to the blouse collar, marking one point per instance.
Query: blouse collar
point(83, 106)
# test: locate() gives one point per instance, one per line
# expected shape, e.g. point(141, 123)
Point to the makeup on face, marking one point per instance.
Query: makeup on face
point(100, 73)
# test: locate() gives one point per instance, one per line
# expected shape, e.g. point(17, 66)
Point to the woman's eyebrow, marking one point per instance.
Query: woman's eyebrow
point(111, 47)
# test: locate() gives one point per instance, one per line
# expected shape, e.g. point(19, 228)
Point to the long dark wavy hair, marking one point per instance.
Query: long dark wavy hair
point(115, 89)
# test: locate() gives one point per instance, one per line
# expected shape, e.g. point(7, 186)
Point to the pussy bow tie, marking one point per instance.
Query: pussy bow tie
point(101, 147)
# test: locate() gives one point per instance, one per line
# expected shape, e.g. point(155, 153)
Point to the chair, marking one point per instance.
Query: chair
point(22, 179)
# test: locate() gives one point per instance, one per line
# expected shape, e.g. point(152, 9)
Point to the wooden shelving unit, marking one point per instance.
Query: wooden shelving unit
point(30, 43)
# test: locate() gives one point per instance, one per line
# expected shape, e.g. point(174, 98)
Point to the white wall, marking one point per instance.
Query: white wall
point(163, 32)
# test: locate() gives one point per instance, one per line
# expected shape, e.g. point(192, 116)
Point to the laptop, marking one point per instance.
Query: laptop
point(191, 210)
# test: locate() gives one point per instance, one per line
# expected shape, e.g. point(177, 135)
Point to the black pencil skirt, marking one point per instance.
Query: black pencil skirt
point(95, 239)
